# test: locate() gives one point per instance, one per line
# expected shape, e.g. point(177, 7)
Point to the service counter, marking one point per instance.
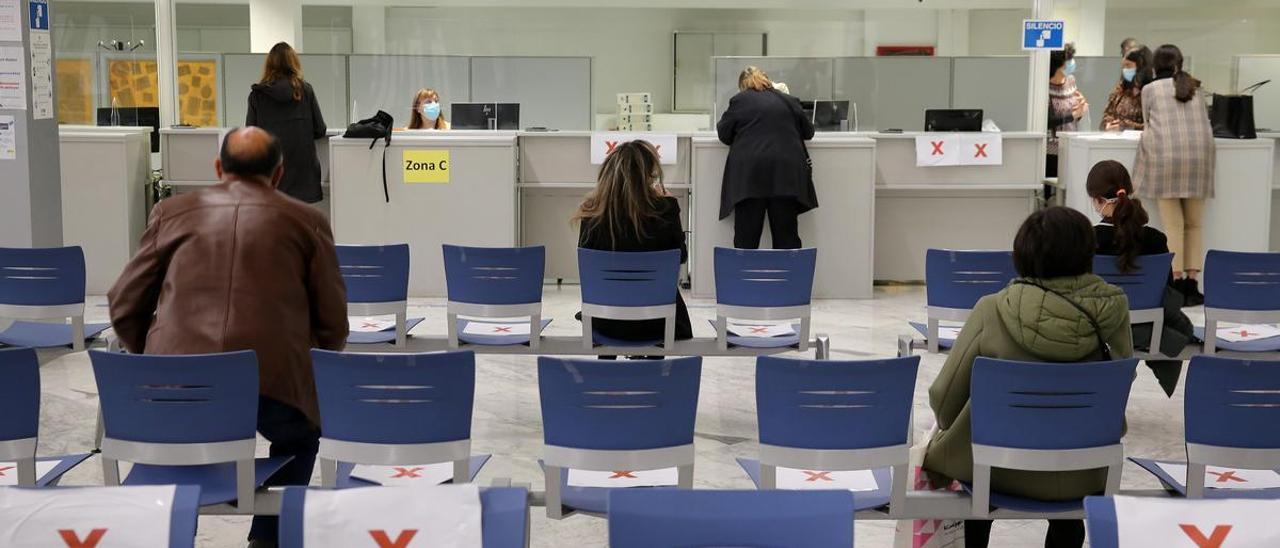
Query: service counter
point(104, 177)
point(1275, 193)
point(1238, 218)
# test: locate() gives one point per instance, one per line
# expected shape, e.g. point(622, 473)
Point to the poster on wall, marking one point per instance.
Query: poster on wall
point(13, 79)
point(41, 75)
point(10, 20)
point(8, 138)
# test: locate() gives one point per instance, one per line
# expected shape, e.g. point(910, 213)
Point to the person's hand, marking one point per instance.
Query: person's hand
point(1079, 110)
point(1112, 126)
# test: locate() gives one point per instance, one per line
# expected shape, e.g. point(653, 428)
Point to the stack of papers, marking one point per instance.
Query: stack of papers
point(948, 332)
point(1244, 333)
point(426, 474)
point(496, 328)
point(624, 478)
point(761, 330)
point(1227, 478)
point(370, 325)
point(853, 480)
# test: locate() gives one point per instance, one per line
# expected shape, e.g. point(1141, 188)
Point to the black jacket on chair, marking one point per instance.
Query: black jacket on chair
point(296, 124)
point(765, 131)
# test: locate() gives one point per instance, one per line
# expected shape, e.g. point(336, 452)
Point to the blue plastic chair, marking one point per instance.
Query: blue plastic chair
point(1240, 288)
point(377, 279)
point(395, 409)
point(494, 282)
point(620, 285)
point(44, 284)
point(955, 281)
point(504, 516)
point(644, 518)
point(188, 420)
point(1144, 287)
point(47, 512)
point(764, 285)
point(20, 420)
point(1046, 417)
point(1104, 524)
point(601, 416)
point(836, 415)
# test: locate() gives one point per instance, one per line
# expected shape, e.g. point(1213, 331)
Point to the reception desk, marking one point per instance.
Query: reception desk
point(1238, 218)
point(1275, 193)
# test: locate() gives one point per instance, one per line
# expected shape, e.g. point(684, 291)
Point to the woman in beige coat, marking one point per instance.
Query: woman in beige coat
point(1175, 163)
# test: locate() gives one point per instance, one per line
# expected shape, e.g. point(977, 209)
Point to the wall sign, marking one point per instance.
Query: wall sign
point(604, 143)
point(426, 166)
point(1043, 35)
point(959, 149)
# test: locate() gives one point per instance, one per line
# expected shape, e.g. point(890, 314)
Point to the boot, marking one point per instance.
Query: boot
point(1190, 288)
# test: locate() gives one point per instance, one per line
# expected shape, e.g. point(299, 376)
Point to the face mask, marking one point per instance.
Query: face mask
point(1070, 67)
point(431, 110)
point(1129, 74)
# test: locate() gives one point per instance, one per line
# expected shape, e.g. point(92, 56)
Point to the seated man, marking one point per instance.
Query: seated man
point(240, 266)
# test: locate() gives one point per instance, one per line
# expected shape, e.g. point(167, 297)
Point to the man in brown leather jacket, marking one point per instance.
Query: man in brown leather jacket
point(240, 266)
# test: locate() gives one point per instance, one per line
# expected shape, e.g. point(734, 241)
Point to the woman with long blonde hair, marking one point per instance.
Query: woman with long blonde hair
point(630, 210)
point(426, 112)
point(284, 104)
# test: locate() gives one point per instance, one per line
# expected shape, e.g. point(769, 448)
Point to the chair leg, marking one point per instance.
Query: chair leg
point(804, 334)
point(1113, 479)
point(461, 471)
point(99, 433)
point(77, 333)
point(452, 320)
point(552, 475)
point(898, 491)
point(981, 491)
point(586, 332)
point(1157, 336)
point(1195, 480)
point(246, 484)
point(933, 336)
point(669, 333)
point(535, 331)
point(402, 328)
point(768, 477)
point(684, 473)
point(722, 332)
point(328, 473)
point(26, 472)
point(110, 472)
point(1210, 335)
point(822, 348)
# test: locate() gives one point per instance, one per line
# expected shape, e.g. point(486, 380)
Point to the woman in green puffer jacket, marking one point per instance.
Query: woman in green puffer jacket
point(1053, 248)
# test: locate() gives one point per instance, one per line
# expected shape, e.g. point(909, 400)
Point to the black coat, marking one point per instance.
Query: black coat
point(662, 233)
point(296, 124)
point(765, 131)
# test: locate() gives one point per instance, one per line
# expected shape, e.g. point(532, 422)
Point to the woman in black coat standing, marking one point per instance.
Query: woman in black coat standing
point(285, 105)
point(768, 170)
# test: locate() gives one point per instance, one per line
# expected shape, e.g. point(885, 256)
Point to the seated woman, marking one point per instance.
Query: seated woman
point(1124, 233)
point(630, 210)
point(1034, 319)
point(426, 111)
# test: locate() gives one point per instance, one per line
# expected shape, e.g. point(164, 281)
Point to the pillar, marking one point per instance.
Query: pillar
point(272, 21)
point(369, 28)
point(1093, 30)
point(167, 62)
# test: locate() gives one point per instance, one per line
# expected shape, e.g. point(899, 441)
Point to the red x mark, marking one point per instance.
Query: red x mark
point(982, 150)
point(937, 148)
point(610, 146)
point(72, 540)
point(1214, 540)
point(759, 329)
point(3, 468)
point(1244, 332)
point(502, 330)
point(408, 472)
point(369, 325)
point(1229, 475)
point(815, 476)
point(622, 474)
point(384, 541)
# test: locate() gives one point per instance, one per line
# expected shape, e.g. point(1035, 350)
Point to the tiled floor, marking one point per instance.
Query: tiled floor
point(507, 423)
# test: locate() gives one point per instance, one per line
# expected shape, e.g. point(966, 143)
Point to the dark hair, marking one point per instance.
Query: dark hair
point(1140, 55)
point(1109, 180)
point(1057, 58)
point(1168, 64)
point(628, 192)
point(251, 161)
point(1054, 243)
point(1128, 44)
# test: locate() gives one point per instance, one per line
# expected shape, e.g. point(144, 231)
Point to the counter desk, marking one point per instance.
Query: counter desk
point(1275, 193)
point(1238, 218)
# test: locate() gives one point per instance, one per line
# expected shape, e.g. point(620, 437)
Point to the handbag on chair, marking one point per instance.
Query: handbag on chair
point(1232, 115)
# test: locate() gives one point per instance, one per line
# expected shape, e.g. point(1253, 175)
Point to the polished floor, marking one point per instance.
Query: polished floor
point(507, 424)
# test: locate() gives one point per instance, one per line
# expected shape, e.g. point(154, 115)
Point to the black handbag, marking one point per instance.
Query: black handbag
point(377, 127)
point(1232, 115)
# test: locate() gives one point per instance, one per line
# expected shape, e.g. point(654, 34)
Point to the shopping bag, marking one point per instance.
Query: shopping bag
point(927, 533)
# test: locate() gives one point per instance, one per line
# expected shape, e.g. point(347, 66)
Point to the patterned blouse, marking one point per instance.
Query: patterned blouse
point(1123, 108)
point(1062, 102)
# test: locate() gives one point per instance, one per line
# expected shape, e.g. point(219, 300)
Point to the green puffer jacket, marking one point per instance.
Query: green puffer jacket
point(1024, 323)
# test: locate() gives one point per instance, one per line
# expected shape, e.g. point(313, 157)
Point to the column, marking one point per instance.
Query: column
point(167, 62)
point(953, 33)
point(1038, 103)
point(1093, 29)
point(30, 174)
point(369, 28)
point(272, 21)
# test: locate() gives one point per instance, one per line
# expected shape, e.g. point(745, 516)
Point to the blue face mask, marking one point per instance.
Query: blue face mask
point(1129, 74)
point(431, 110)
point(1070, 67)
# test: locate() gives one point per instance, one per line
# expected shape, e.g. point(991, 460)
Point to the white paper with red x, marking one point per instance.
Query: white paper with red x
point(1227, 478)
point(9, 471)
point(1243, 333)
point(1143, 522)
point(853, 480)
point(981, 149)
point(495, 328)
point(420, 474)
point(959, 149)
point(371, 325)
point(937, 149)
point(761, 329)
point(604, 143)
point(88, 517)
point(445, 516)
point(624, 478)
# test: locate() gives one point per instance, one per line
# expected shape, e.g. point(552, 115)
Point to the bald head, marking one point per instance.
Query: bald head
point(250, 153)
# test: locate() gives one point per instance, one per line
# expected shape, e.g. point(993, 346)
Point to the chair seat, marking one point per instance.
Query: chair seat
point(1270, 344)
point(54, 468)
point(589, 499)
point(923, 329)
point(493, 340)
point(217, 481)
point(763, 342)
point(862, 500)
point(380, 337)
point(46, 335)
point(1022, 504)
point(1179, 486)
point(345, 480)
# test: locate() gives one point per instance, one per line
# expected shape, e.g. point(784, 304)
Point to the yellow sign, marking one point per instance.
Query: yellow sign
point(426, 166)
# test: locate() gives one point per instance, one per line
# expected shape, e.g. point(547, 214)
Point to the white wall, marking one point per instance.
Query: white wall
point(996, 32)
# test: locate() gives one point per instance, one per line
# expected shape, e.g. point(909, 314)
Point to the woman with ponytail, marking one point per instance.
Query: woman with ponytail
point(1125, 235)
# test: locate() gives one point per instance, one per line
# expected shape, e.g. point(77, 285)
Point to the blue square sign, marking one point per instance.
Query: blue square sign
point(1043, 35)
point(39, 11)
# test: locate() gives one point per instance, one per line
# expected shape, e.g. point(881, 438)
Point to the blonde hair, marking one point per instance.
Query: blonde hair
point(283, 64)
point(628, 192)
point(754, 78)
point(416, 119)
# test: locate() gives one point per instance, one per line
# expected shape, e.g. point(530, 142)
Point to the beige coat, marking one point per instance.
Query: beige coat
point(1176, 154)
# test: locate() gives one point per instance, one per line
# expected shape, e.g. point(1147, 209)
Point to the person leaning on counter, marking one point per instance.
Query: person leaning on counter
point(426, 111)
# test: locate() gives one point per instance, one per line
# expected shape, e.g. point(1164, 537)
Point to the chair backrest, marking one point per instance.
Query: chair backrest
point(201, 398)
point(593, 404)
point(682, 517)
point(1028, 405)
point(628, 278)
point(494, 275)
point(1144, 286)
point(100, 516)
point(395, 398)
point(957, 279)
point(764, 277)
point(375, 273)
point(42, 276)
point(19, 394)
point(1242, 281)
point(823, 404)
point(1233, 403)
point(1138, 521)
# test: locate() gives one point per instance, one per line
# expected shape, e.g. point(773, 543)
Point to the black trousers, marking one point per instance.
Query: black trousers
point(290, 434)
point(1063, 533)
point(748, 222)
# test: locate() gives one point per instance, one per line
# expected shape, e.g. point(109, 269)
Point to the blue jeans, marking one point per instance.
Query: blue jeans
point(290, 434)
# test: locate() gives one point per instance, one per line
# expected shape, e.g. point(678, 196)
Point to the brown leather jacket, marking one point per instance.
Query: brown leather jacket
point(237, 266)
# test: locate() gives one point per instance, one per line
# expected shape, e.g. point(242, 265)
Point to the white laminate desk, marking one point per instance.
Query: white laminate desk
point(1275, 195)
point(1238, 218)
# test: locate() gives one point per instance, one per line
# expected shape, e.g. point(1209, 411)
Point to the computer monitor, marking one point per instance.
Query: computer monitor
point(827, 115)
point(133, 116)
point(953, 120)
point(486, 116)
